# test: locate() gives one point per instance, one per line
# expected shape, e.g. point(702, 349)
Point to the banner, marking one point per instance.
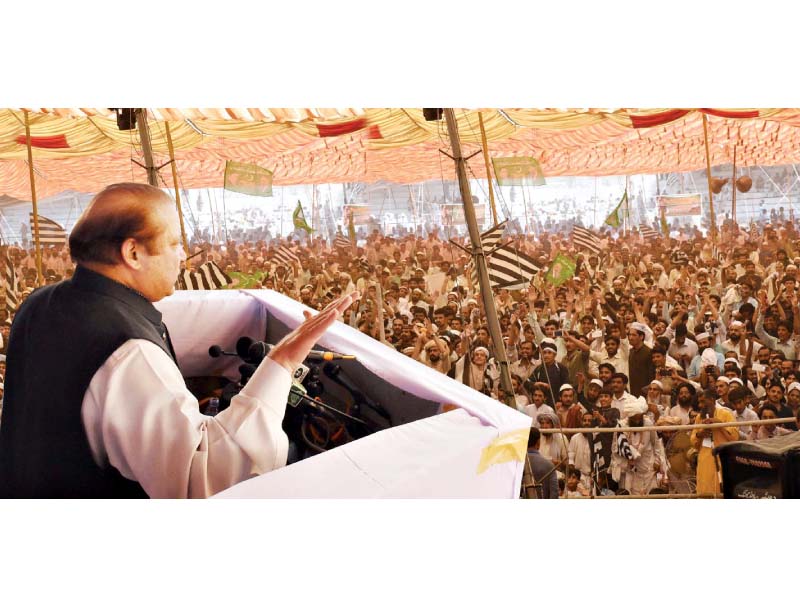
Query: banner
point(680, 205)
point(360, 212)
point(247, 179)
point(453, 214)
point(562, 269)
point(518, 170)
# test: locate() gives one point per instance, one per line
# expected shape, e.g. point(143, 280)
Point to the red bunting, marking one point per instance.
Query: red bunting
point(662, 118)
point(45, 141)
point(341, 128)
point(731, 114)
point(374, 133)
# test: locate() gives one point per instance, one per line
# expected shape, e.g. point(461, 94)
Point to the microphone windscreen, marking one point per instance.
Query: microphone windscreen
point(257, 351)
point(215, 351)
point(331, 369)
point(243, 346)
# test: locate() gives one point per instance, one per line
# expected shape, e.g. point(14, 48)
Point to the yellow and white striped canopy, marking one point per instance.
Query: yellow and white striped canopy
point(83, 150)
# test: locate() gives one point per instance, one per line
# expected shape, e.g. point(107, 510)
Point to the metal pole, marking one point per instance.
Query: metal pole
point(177, 190)
point(479, 257)
point(488, 170)
point(483, 277)
point(147, 148)
point(36, 241)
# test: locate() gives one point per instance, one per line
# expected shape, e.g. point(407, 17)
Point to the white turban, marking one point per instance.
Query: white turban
point(634, 406)
point(708, 358)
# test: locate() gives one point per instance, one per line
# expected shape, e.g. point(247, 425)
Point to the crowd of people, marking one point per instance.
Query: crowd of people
point(673, 330)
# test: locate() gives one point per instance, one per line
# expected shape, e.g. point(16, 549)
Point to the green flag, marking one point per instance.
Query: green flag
point(247, 179)
point(563, 268)
point(614, 219)
point(246, 280)
point(518, 170)
point(299, 219)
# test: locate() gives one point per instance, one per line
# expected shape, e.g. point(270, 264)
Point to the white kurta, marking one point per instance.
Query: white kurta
point(140, 418)
point(637, 476)
point(580, 457)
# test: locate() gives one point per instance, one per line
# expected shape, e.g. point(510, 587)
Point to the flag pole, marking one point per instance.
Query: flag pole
point(177, 190)
point(483, 274)
point(733, 198)
point(713, 230)
point(313, 211)
point(485, 145)
point(36, 239)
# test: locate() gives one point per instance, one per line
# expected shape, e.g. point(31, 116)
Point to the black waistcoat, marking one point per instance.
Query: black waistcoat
point(62, 334)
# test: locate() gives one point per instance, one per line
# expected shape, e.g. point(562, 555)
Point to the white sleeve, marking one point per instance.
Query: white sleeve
point(140, 418)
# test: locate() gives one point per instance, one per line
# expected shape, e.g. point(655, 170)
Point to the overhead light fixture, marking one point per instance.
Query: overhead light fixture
point(432, 114)
point(126, 118)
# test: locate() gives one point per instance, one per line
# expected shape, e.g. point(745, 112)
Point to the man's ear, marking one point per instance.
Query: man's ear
point(130, 253)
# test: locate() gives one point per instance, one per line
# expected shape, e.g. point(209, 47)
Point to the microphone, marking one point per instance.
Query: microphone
point(216, 351)
point(243, 346)
point(258, 350)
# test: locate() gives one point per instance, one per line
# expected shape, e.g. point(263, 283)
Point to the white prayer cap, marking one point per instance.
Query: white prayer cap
point(597, 382)
point(657, 383)
point(737, 324)
point(548, 344)
point(708, 358)
point(639, 327)
point(734, 361)
point(701, 336)
point(793, 386)
point(566, 386)
point(481, 349)
point(740, 382)
point(634, 406)
point(724, 379)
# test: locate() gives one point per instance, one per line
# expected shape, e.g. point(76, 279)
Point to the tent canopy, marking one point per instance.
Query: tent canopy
point(83, 150)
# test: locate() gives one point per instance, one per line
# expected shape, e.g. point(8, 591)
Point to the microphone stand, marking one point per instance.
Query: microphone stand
point(321, 405)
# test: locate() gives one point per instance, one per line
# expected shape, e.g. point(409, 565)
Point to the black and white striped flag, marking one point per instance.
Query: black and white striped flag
point(649, 234)
point(509, 268)
point(10, 284)
point(285, 256)
point(206, 277)
point(342, 242)
point(491, 237)
point(489, 240)
point(50, 232)
point(586, 239)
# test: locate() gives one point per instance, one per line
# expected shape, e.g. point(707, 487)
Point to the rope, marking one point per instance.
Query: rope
point(673, 427)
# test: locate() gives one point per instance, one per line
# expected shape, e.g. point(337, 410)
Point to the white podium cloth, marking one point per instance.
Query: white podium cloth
point(436, 457)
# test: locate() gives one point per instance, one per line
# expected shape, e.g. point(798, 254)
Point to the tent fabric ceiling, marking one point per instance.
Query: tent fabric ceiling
point(83, 150)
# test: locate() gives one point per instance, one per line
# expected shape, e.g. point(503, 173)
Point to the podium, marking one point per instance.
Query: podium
point(475, 451)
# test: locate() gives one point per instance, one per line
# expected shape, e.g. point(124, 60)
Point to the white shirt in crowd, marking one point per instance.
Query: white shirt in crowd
point(140, 418)
point(747, 414)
